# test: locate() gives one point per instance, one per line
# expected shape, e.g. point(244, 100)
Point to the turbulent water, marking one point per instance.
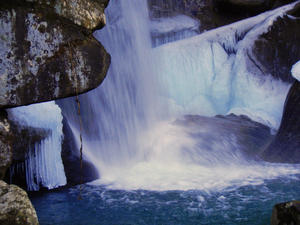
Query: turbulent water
point(245, 205)
point(158, 162)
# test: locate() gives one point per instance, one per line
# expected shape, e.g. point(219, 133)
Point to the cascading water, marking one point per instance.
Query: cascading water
point(129, 133)
point(157, 164)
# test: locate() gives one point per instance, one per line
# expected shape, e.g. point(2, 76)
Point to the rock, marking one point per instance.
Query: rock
point(243, 6)
point(71, 159)
point(203, 10)
point(5, 144)
point(276, 50)
point(285, 147)
point(287, 213)
point(213, 13)
point(244, 136)
point(48, 51)
point(15, 206)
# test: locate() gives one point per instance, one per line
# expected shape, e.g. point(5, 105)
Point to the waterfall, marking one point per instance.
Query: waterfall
point(43, 163)
point(115, 113)
point(131, 131)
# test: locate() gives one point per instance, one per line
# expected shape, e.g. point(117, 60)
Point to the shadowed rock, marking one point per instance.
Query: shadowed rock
point(286, 145)
point(287, 213)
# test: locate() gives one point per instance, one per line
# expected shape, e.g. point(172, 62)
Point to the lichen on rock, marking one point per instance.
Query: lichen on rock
point(47, 50)
point(15, 206)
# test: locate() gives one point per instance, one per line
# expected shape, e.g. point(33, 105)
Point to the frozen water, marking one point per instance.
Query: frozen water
point(43, 162)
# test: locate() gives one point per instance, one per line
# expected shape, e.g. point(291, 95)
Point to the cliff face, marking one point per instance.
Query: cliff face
point(48, 51)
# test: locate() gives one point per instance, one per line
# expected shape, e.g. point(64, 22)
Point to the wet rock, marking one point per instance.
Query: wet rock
point(15, 206)
point(277, 49)
point(71, 160)
point(287, 213)
point(48, 51)
point(5, 144)
point(244, 137)
point(286, 145)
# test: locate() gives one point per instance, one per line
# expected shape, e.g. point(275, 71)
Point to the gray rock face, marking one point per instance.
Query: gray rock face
point(286, 145)
point(278, 49)
point(287, 213)
point(47, 50)
point(5, 145)
point(15, 206)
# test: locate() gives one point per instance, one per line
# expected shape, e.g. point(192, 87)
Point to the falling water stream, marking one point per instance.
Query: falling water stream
point(150, 130)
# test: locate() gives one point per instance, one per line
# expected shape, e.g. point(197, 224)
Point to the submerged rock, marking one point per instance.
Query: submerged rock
point(287, 213)
point(286, 145)
point(238, 135)
point(15, 206)
point(48, 51)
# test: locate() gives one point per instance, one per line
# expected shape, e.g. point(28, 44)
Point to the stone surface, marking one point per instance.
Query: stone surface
point(5, 144)
point(278, 49)
point(244, 136)
point(71, 160)
point(45, 54)
point(287, 213)
point(15, 206)
point(213, 13)
point(286, 145)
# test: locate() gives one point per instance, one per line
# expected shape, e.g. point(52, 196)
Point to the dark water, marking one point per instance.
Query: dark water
point(243, 205)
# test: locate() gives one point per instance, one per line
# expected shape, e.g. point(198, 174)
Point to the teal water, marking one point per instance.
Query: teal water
point(235, 205)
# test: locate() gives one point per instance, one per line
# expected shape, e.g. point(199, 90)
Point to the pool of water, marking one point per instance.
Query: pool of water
point(240, 205)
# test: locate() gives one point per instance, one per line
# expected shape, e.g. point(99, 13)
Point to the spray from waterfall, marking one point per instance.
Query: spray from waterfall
point(129, 123)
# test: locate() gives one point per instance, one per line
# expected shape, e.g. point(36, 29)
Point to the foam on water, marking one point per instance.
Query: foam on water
point(43, 162)
point(173, 159)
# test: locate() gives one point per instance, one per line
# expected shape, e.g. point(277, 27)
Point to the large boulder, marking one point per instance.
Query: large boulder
point(48, 50)
point(286, 145)
point(15, 206)
point(287, 213)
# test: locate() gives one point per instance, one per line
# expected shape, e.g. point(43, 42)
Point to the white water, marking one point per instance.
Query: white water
point(128, 129)
point(43, 164)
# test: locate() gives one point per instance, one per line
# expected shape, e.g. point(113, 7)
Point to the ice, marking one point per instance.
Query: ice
point(169, 29)
point(212, 73)
point(43, 162)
